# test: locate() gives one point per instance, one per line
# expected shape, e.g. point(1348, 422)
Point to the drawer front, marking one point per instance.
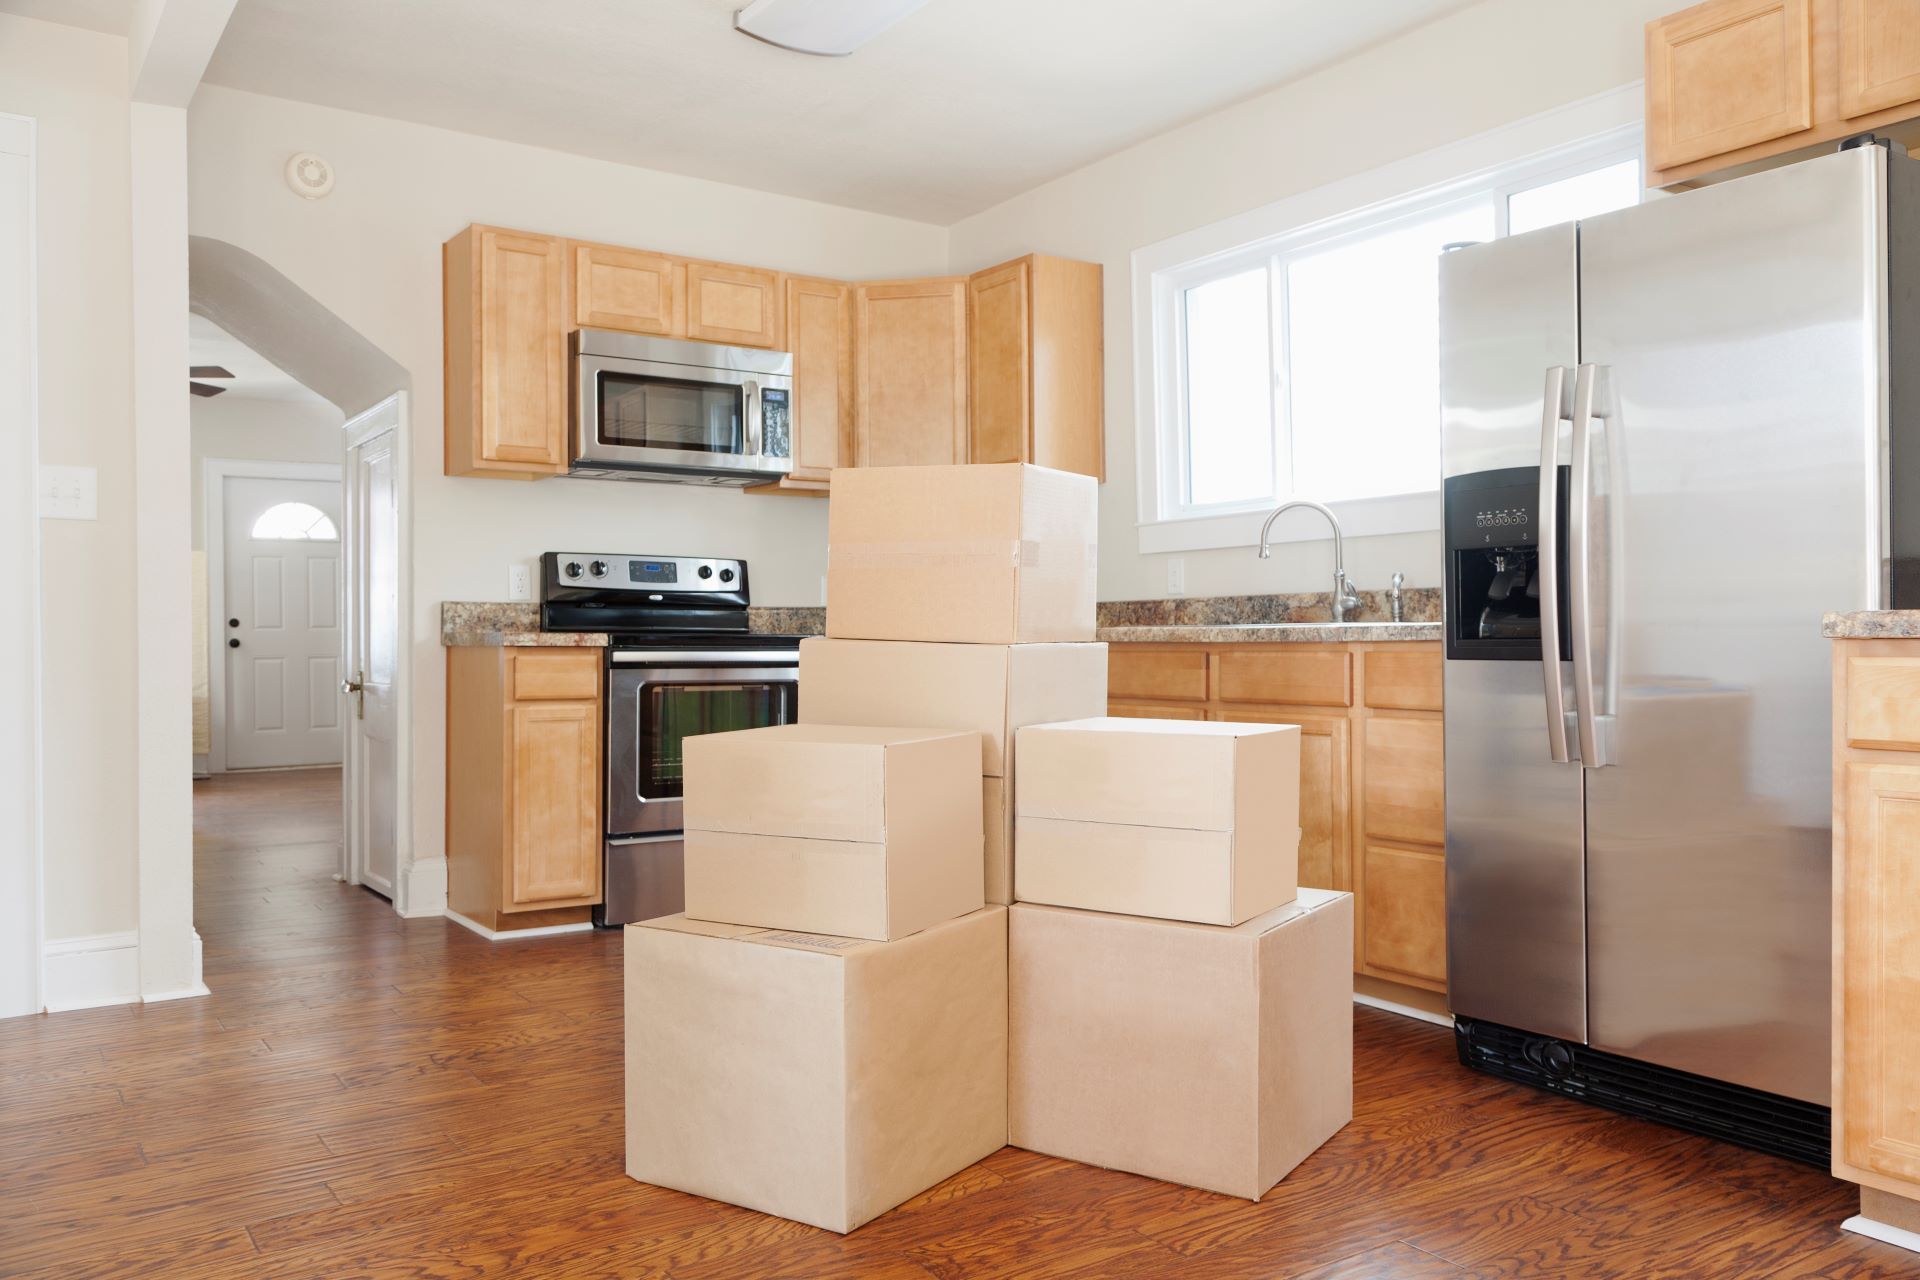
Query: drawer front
point(1148, 711)
point(543, 675)
point(1403, 780)
point(1883, 703)
point(1401, 680)
point(1156, 673)
point(1295, 678)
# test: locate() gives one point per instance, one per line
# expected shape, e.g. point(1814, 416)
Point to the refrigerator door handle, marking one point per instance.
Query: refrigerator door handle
point(1580, 567)
point(1555, 408)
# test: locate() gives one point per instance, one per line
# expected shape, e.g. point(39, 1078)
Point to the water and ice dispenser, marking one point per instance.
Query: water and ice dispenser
point(1493, 564)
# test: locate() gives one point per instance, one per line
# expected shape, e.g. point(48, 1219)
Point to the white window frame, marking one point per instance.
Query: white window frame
point(1557, 144)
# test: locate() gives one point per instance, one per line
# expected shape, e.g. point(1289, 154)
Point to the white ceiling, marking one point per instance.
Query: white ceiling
point(255, 377)
point(963, 104)
point(110, 16)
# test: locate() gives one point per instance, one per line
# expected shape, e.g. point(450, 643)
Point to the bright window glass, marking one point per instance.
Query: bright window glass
point(294, 522)
point(1568, 199)
point(1229, 390)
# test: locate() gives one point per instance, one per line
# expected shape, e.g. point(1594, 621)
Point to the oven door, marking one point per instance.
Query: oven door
point(652, 414)
point(652, 710)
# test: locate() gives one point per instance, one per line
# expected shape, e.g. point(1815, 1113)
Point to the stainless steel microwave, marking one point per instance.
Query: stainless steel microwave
point(682, 412)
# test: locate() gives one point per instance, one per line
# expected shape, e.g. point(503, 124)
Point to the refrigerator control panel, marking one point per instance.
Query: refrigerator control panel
point(1499, 515)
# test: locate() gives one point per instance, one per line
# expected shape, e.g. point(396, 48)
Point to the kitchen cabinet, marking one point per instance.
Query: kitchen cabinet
point(1034, 350)
point(739, 306)
point(1372, 774)
point(1876, 881)
point(910, 398)
point(505, 314)
point(628, 289)
point(819, 329)
point(1735, 84)
point(523, 784)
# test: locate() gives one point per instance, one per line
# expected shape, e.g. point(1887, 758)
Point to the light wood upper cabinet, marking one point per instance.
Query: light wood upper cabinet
point(1879, 52)
point(1035, 357)
point(628, 289)
point(820, 336)
point(505, 313)
point(1727, 74)
point(910, 405)
point(736, 305)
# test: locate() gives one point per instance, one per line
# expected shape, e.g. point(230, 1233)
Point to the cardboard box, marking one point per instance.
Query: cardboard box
point(821, 1079)
point(1000, 554)
point(857, 831)
point(1215, 1057)
point(1179, 819)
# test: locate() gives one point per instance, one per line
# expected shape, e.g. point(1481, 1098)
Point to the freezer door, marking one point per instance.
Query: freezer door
point(1733, 337)
point(1516, 937)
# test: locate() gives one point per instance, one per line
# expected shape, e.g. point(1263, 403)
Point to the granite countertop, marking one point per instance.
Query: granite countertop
point(496, 623)
point(1272, 633)
point(1872, 624)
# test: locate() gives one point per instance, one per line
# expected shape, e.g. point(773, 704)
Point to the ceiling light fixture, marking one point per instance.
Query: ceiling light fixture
point(824, 28)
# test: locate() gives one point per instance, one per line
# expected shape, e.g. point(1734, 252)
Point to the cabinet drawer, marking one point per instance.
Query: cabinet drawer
point(1883, 702)
point(1406, 912)
point(1295, 678)
point(1403, 787)
point(544, 675)
point(1156, 673)
point(1401, 680)
point(1147, 711)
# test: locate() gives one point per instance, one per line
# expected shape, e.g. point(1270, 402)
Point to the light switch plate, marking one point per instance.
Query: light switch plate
point(519, 582)
point(1176, 576)
point(69, 493)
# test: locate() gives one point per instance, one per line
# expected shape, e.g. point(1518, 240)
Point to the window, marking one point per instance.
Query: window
point(294, 522)
point(1306, 364)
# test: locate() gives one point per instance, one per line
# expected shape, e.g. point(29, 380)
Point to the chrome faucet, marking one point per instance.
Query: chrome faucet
point(1344, 596)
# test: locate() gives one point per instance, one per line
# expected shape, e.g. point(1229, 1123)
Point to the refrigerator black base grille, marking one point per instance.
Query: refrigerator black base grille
point(1712, 1108)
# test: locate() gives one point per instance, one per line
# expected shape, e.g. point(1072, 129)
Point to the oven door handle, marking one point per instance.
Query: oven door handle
point(704, 657)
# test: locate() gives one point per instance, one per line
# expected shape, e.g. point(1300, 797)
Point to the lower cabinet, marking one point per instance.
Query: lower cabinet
point(523, 784)
point(1372, 776)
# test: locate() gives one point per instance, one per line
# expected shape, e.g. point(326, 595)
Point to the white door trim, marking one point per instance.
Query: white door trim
point(214, 488)
point(20, 367)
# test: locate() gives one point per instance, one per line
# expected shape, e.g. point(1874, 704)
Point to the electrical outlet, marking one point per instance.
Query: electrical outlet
point(69, 493)
point(519, 582)
point(1176, 576)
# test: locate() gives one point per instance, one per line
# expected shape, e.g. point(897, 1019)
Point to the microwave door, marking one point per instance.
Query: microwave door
point(646, 410)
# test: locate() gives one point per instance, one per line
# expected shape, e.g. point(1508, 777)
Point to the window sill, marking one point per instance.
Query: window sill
point(1359, 518)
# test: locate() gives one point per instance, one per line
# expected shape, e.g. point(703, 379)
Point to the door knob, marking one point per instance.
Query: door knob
point(233, 644)
point(356, 687)
point(233, 622)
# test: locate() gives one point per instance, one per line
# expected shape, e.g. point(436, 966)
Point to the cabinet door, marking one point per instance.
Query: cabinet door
point(1324, 790)
point(506, 353)
point(1068, 375)
point(1000, 360)
point(1403, 782)
point(628, 289)
point(1724, 75)
point(553, 854)
point(1878, 1108)
point(1404, 909)
point(820, 335)
point(1879, 55)
point(911, 403)
point(737, 305)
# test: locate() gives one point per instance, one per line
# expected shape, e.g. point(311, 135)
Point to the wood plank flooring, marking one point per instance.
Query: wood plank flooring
point(369, 1096)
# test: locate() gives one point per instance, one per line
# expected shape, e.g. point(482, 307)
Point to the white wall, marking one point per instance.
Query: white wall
point(74, 83)
point(261, 430)
point(1467, 73)
point(371, 253)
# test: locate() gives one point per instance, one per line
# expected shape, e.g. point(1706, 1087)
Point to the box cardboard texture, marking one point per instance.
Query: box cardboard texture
point(1215, 1057)
point(985, 554)
point(821, 1079)
point(1178, 819)
point(856, 831)
point(992, 688)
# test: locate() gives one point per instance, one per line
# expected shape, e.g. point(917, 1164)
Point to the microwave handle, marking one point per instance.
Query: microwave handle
point(751, 407)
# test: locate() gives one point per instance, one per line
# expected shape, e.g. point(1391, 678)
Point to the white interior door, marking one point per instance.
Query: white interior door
point(373, 607)
point(282, 629)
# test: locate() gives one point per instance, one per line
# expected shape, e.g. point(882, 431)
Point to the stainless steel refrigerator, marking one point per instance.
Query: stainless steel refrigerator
point(1669, 440)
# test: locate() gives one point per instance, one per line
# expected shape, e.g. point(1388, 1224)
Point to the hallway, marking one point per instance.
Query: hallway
point(369, 1096)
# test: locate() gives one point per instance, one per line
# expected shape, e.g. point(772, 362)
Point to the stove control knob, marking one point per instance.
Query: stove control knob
point(572, 569)
point(706, 571)
point(598, 568)
point(726, 575)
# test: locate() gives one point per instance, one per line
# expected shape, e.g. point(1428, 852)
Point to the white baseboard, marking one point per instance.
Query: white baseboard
point(1862, 1225)
point(425, 890)
point(513, 935)
point(89, 972)
point(1404, 1010)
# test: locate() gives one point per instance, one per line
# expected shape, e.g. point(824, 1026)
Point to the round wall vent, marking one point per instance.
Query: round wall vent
point(309, 175)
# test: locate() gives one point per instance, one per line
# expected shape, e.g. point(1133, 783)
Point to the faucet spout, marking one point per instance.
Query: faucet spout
point(1344, 596)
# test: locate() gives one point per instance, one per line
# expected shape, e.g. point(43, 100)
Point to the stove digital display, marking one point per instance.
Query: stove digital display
point(653, 571)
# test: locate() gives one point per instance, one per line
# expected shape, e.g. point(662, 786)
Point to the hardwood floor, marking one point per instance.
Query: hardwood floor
point(369, 1096)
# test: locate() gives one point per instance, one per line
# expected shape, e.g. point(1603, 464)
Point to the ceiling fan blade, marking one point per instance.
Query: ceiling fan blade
point(204, 389)
point(209, 371)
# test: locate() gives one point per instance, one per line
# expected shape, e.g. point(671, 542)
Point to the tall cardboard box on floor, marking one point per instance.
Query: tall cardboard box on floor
point(842, 829)
point(821, 1079)
point(1210, 1056)
point(992, 554)
point(992, 689)
point(1180, 819)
